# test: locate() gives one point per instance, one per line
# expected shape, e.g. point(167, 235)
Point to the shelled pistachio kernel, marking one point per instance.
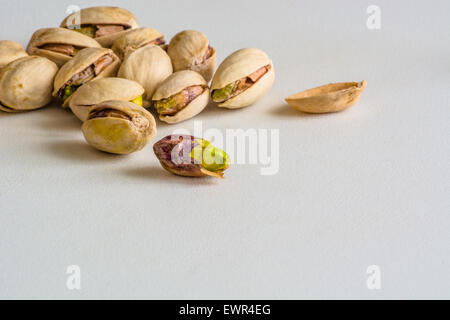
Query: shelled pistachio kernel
point(189, 156)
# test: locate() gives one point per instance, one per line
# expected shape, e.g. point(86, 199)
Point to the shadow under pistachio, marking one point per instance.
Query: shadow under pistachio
point(286, 111)
point(78, 150)
point(157, 173)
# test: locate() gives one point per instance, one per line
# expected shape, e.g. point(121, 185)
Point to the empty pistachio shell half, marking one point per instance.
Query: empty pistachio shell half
point(119, 127)
point(104, 24)
point(58, 44)
point(104, 89)
point(181, 96)
point(149, 66)
point(88, 64)
point(135, 39)
point(242, 79)
point(26, 84)
point(190, 50)
point(10, 51)
point(329, 98)
point(191, 157)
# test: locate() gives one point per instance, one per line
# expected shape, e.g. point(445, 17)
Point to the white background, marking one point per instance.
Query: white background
point(366, 186)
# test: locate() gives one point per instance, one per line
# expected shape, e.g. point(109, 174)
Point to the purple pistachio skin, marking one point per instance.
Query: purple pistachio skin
point(174, 154)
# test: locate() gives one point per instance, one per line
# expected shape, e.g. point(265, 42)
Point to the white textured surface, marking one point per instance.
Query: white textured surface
point(366, 186)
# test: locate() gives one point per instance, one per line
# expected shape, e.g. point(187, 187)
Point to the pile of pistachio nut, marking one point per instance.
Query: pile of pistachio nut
point(109, 71)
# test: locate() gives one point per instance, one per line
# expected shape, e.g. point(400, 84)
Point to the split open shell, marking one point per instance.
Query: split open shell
point(135, 39)
point(119, 127)
point(239, 65)
point(329, 98)
point(100, 90)
point(176, 83)
point(58, 36)
point(191, 50)
point(102, 16)
point(80, 62)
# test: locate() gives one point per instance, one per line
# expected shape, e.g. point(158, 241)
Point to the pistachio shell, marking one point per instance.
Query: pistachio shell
point(135, 39)
point(239, 65)
point(187, 51)
point(26, 84)
point(10, 51)
point(58, 36)
point(80, 62)
point(118, 135)
point(329, 98)
point(149, 66)
point(104, 89)
point(176, 83)
point(103, 16)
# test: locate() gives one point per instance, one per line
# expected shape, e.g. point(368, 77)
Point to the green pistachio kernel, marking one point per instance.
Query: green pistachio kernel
point(69, 90)
point(211, 158)
point(164, 104)
point(139, 101)
point(89, 31)
point(224, 93)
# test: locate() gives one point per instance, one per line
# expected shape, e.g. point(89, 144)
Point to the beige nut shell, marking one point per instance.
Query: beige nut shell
point(187, 50)
point(104, 89)
point(176, 83)
point(135, 39)
point(81, 61)
point(10, 51)
point(120, 136)
point(26, 84)
point(239, 65)
point(58, 36)
point(103, 16)
point(149, 66)
point(329, 98)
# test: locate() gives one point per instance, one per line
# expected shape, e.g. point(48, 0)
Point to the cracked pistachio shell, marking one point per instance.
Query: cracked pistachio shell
point(149, 66)
point(80, 62)
point(104, 89)
point(189, 156)
point(26, 84)
point(333, 97)
point(58, 36)
point(102, 16)
point(10, 51)
point(126, 129)
point(176, 83)
point(239, 65)
point(135, 39)
point(187, 51)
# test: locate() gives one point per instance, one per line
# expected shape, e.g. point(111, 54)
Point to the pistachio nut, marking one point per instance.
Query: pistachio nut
point(10, 51)
point(242, 79)
point(104, 89)
point(333, 97)
point(58, 44)
point(119, 127)
point(26, 84)
point(149, 66)
point(104, 24)
point(88, 64)
point(135, 39)
point(182, 96)
point(190, 50)
point(191, 157)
